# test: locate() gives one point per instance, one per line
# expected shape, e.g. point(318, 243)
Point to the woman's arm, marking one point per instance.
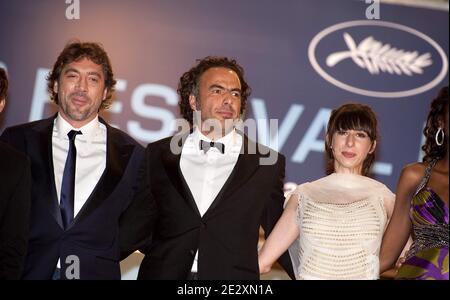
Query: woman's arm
point(399, 227)
point(281, 237)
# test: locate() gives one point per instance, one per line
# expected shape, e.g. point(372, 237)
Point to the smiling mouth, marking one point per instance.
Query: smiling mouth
point(79, 100)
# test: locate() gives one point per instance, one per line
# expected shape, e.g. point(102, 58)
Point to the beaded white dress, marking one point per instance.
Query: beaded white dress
point(342, 218)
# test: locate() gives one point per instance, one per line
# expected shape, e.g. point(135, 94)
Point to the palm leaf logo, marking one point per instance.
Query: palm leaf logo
point(372, 55)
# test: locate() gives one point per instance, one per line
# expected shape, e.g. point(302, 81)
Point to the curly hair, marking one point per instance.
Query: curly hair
point(3, 84)
point(351, 116)
point(439, 107)
point(189, 82)
point(76, 51)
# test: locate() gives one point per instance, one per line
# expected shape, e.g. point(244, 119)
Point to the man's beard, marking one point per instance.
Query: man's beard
point(75, 113)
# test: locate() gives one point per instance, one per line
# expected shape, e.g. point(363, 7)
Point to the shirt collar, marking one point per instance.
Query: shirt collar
point(90, 130)
point(232, 140)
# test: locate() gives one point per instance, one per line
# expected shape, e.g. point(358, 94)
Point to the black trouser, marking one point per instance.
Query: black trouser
point(57, 274)
point(192, 276)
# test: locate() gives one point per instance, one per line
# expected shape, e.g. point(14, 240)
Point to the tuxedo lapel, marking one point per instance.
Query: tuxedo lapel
point(44, 174)
point(245, 167)
point(171, 164)
point(117, 157)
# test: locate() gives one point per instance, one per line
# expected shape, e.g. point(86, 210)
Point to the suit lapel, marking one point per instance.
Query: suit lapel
point(245, 167)
point(171, 164)
point(44, 157)
point(117, 157)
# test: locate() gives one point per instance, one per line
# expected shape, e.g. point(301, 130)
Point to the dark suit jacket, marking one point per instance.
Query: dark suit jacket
point(227, 234)
point(15, 190)
point(94, 234)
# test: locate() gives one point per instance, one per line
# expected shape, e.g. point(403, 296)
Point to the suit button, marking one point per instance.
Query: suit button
point(203, 225)
point(192, 252)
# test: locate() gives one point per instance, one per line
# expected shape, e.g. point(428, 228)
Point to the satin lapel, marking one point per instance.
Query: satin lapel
point(117, 157)
point(171, 164)
point(44, 173)
point(245, 167)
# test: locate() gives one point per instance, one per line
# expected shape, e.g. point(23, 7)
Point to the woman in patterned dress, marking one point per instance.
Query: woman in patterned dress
point(422, 205)
point(333, 226)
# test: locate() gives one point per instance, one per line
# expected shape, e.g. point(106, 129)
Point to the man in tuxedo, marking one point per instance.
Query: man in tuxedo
point(15, 188)
point(205, 203)
point(83, 172)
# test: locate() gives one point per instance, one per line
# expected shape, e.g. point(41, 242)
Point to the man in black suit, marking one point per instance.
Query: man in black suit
point(15, 188)
point(83, 172)
point(212, 191)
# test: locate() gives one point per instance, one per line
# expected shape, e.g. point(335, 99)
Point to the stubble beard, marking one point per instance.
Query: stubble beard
point(77, 114)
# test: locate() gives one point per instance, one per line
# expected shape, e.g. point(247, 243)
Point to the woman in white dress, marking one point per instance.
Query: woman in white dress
point(333, 227)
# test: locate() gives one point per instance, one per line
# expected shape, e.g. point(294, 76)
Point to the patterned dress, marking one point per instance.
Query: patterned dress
point(428, 256)
point(341, 219)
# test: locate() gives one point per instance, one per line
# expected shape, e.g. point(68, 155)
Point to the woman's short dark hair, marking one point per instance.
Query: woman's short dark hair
point(439, 107)
point(189, 82)
point(351, 116)
point(3, 84)
point(76, 51)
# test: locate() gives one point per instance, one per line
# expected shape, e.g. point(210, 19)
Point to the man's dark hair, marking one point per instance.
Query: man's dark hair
point(76, 51)
point(189, 82)
point(3, 84)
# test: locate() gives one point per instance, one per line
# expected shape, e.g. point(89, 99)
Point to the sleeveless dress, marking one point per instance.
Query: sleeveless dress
point(428, 255)
point(342, 218)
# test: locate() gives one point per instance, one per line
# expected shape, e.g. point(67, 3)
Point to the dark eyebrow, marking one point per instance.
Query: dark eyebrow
point(78, 72)
point(216, 86)
point(222, 88)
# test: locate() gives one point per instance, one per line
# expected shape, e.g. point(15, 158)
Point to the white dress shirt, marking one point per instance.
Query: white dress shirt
point(90, 162)
point(206, 173)
point(91, 157)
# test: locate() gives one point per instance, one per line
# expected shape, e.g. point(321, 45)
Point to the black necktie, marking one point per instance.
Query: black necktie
point(205, 146)
point(68, 181)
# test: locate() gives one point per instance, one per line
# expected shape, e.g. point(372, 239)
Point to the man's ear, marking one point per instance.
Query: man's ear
point(193, 102)
point(105, 93)
point(55, 87)
point(374, 145)
point(2, 104)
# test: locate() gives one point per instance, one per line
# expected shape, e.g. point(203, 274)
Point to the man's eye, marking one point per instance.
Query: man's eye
point(236, 94)
point(342, 132)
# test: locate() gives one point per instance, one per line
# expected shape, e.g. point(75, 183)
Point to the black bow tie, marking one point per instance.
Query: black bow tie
point(205, 146)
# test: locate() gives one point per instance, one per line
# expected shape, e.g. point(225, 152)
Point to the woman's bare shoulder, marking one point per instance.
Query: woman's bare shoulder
point(413, 173)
